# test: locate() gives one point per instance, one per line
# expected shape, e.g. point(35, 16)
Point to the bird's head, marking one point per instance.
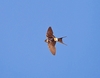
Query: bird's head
point(46, 41)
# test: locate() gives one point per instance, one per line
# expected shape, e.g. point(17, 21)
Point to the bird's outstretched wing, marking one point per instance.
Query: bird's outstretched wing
point(52, 47)
point(49, 32)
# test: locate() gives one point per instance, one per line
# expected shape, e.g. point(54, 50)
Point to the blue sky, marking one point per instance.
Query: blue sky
point(23, 26)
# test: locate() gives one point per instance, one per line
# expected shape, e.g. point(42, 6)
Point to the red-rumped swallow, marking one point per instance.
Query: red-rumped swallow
point(51, 40)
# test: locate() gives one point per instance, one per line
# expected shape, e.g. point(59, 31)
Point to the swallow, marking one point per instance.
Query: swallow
point(51, 40)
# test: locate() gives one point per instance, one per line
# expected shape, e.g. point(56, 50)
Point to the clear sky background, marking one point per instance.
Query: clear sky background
point(23, 27)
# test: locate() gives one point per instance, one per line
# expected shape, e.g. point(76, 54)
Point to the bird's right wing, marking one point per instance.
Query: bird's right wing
point(52, 47)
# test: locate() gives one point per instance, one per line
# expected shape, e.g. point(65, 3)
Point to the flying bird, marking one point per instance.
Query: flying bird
point(51, 40)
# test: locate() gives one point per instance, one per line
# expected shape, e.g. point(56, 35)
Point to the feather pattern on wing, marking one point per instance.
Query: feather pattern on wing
point(52, 47)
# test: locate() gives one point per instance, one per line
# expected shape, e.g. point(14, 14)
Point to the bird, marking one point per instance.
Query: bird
point(51, 40)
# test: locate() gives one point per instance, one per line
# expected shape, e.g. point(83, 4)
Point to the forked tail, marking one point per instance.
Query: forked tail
point(61, 41)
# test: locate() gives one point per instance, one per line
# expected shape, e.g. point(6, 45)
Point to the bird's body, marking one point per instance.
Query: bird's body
point(51, 40)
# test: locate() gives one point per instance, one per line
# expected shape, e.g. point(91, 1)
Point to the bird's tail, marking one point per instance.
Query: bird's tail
point(61, 41)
